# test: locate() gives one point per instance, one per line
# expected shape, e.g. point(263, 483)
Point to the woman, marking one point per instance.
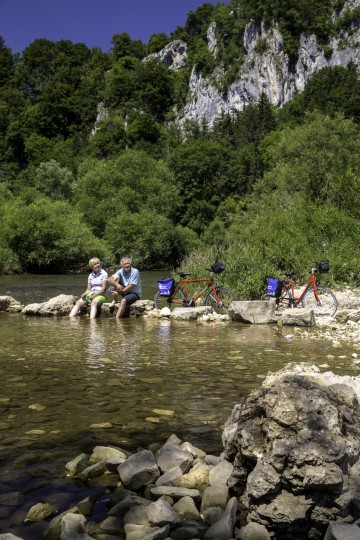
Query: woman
point(95, 291)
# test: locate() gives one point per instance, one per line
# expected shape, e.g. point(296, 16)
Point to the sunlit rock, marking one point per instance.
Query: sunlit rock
point(10, 305)
point(40, 511)
point(59, 305)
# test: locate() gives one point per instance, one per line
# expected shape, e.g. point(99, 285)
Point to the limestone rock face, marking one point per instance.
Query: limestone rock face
point(295, 444)
point(173, 55)
point(268, 72)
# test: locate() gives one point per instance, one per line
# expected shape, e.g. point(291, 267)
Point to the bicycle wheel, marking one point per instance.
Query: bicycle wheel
point(327, 305)
point(162, 301)
point(226, 297)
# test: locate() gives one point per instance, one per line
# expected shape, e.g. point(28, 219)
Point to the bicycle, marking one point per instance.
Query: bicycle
point(178, 295)
point(320, 299)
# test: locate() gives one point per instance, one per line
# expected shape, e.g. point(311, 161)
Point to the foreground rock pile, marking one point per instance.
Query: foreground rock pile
point(176, 491)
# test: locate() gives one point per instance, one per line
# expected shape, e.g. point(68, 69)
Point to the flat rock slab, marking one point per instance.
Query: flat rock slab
point(189, 313)
point(297, 317)
point(253, 311)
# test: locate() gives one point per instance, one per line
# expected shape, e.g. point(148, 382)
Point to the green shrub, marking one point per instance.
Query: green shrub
point(48, 235)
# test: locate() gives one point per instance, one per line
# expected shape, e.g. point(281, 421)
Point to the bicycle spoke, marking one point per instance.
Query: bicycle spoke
point(162, 301)
point(225, 296)
point(326, 306)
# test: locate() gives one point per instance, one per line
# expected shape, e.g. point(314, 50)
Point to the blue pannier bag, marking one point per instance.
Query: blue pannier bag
point(274, 287)
point(166, 286)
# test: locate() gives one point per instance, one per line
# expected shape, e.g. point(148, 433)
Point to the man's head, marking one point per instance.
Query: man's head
point(125, 263)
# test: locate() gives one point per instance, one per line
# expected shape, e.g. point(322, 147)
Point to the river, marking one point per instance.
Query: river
point(69, 385)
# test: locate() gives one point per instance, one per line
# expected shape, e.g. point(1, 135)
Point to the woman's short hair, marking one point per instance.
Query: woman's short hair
point(94, 261)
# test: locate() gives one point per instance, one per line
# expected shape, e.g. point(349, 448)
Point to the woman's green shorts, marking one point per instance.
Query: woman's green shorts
point(101, 299)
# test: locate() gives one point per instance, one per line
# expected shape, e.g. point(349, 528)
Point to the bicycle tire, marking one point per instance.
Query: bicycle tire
point(226, 297)
point(163, 301)
point(328, 303)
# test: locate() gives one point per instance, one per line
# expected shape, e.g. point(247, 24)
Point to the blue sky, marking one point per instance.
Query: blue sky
point(93, 22)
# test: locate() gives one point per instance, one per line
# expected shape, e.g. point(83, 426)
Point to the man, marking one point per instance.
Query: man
point(127, 283)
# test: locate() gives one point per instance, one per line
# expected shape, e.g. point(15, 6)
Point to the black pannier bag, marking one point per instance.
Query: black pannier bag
point(166, 286)
point(323, 267)
point(217, 268)
point(274, 287)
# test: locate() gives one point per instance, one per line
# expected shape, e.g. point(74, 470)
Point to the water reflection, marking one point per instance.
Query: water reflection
point(96, 345)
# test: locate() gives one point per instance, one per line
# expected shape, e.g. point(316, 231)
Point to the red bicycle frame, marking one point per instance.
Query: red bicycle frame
point(297, 299)
point(184, 286)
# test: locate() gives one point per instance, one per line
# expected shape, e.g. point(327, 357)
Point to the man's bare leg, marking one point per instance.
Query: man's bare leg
point(121, 310)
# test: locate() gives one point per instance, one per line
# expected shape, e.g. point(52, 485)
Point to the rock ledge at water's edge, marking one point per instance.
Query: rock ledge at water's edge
point(344, 327)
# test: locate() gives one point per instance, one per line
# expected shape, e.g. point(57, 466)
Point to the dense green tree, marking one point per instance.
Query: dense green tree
point(155, 88)
point(121, 83)
point(331, 91)
point(196, 24)
point(123, 45)
point(6, 63)
point(147, 235)
point(202, 58)
point(129, 183)
point(320, 158)
point(53, 180)
point(109, 138)
point(63, 83)
point(157, 42)
point(44, 61)
point(206, 173)
point(143, 127)
point(47, 235)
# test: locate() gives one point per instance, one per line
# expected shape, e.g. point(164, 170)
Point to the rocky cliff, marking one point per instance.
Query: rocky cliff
point(270, 72)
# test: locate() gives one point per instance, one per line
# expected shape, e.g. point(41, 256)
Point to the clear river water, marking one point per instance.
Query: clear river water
point(69, 385)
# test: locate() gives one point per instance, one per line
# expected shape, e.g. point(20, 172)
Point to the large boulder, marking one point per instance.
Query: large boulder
point(60, 305)
point(295, 445)
point(298, 317)
point(253, 311)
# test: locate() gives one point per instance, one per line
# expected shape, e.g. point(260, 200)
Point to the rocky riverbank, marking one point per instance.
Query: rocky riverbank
point(345, 326)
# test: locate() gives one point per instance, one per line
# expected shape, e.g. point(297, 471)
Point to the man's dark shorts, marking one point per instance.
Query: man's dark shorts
point(131, 298)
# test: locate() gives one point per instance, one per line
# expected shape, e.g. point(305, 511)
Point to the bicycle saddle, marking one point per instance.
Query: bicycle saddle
point(183, 274)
